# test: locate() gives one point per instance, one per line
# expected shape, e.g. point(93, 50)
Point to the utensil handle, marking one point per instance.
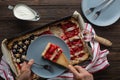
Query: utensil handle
point(10, 7)
point(102, 40)
point(26, 60)
point(104, 1)
point(107, 4)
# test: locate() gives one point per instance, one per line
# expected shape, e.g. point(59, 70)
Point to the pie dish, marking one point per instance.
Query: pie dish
point(68, 29)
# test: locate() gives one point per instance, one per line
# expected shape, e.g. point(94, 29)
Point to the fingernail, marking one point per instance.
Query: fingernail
point(21, 64)
point(69, 65)
point(32, 60)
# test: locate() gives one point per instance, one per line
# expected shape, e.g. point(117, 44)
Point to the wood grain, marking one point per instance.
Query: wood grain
point(51, 10)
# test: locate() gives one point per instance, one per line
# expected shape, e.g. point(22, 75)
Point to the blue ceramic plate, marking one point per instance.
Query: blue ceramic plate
point(36, 48)
point(109, 16)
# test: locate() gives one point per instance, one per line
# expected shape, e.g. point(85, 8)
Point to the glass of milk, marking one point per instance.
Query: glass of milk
point(23, 12)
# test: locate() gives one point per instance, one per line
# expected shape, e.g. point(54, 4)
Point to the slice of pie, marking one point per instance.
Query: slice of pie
point(54, 53)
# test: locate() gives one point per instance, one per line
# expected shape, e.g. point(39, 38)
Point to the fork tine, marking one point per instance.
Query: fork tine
point(89, 11)
point(96, 15)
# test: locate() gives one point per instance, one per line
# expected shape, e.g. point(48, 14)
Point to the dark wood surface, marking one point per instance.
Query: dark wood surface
point(51, 10)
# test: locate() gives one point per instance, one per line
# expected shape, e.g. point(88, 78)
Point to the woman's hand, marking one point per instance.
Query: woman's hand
point(80, 73)
point(25, 73)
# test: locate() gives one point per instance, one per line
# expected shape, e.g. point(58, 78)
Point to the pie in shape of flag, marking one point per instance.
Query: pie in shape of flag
point(55, 54)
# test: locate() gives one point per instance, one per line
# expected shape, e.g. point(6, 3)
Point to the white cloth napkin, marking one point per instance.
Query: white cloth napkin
point(5, 70)
point(99, 61)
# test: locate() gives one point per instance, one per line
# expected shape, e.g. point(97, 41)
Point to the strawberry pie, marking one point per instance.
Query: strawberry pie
point(54, 53)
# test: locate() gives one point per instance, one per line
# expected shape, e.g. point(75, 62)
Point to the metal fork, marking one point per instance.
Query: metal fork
point(45, 66)
point(90, 10)
point(97, 14)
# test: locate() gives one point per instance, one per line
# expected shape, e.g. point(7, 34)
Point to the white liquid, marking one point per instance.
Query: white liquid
point(23, 12)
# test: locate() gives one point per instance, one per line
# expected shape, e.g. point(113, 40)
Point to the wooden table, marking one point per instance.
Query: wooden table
point(51, 10)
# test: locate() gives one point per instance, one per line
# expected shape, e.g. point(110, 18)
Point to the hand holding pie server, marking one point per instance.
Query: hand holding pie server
point(80, 73)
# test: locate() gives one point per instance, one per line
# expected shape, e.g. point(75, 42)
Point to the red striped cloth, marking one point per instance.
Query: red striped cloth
point(99, 61)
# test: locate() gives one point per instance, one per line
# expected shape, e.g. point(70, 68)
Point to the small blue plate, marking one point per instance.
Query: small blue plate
point(35, 50)
point(107, 17)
